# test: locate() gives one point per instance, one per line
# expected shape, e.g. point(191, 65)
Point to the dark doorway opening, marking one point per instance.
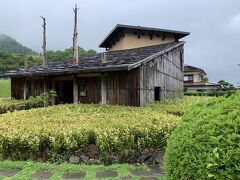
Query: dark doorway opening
point(64, 90)
point(157, 93)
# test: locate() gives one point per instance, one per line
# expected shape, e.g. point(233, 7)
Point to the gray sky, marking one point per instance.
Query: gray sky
point(214, 25)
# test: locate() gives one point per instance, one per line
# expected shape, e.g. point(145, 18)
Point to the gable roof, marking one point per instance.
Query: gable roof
point(188, 68)
point(122, 60)
point(120, 27)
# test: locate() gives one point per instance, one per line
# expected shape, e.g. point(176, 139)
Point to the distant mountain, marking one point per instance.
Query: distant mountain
point(10, 45)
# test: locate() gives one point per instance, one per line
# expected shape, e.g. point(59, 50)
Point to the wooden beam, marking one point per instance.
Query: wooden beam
point(75, 90)
point(104, 88)
point(45, 89)
point(53, 99)
point(25, 89)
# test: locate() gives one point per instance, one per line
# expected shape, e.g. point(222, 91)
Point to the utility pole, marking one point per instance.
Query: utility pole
point(44, 47)
point(75, 34)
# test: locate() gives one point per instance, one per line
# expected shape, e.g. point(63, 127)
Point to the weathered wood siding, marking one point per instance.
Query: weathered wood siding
point(165, 72)
point(17, 88)
point(35, 86)
point(123, 88)
point(92, 87)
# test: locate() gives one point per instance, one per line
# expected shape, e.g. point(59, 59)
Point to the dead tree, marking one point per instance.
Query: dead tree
point(75, 34)
point(44, 47)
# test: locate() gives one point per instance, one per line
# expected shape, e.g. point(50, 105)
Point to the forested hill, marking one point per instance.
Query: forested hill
point(10, 45)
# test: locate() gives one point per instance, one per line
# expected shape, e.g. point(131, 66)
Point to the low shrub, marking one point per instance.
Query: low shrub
point(215, 93)
point(58, 132)
point(64, 130)
point(206, 142)
point(10, 105)
point(177, 106)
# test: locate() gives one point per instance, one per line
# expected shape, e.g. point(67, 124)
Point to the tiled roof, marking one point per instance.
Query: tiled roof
point(188, 68)
point(122, 60)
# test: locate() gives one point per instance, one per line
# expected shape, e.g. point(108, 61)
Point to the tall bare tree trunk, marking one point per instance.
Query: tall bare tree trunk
point(75, 34)
point(44, 47)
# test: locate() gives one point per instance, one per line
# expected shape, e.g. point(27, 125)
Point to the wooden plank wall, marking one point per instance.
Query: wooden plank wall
point(35, 86)
point(123, 88)
point(165, 72)
point(92, 88)
point(17, 88)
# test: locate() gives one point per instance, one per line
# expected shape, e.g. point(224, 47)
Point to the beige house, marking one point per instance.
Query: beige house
point(193, 80)
point(129, 37)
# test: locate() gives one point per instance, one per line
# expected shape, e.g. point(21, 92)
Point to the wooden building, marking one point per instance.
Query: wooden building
point(140, 65)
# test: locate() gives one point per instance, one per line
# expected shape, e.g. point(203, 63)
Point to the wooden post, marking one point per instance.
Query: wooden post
point(44, 47)
point(25, 89)
point(53, 99)
point(45, 90)
point(104, 88)
point(75, 34)
point(75, 90)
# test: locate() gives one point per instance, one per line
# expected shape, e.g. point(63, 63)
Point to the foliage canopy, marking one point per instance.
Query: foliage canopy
point(206, 142)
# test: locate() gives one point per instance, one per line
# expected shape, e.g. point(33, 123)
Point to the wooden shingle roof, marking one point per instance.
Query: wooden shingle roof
point(123, 60)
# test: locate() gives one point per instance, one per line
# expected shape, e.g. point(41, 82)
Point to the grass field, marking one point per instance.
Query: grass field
point(5, 88)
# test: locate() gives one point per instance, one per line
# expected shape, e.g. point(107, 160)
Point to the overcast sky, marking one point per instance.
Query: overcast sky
point(214, 25)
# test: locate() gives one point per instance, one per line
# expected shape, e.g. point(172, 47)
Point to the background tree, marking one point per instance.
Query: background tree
point(9, 61)
point(225, 86)
point(205, 79)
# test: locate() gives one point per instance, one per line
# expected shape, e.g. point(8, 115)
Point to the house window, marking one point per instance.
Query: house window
point(188, 78)
point(157, 95)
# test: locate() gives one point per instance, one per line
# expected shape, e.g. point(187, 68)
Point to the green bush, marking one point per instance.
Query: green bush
point(176, 106)
point(206, 144)
point(215, 93)
point(63, 130)
point(60, 131)
point(10, 105)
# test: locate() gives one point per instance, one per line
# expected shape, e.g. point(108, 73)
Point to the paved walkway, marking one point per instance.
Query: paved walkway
point(151, 173)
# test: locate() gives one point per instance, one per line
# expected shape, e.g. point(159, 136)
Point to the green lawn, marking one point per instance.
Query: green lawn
point(5, 88)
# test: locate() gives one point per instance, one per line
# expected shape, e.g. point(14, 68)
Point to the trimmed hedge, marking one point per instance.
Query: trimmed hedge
point(10, 105)
point(215, 93)
point(58, 132)
point(177, 106)
point(64, 130)
point(206, 144)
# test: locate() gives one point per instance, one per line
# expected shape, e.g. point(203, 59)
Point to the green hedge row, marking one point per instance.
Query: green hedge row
point(57, 132)
point(10, 105)
point(206, 144)
point(215, 93)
